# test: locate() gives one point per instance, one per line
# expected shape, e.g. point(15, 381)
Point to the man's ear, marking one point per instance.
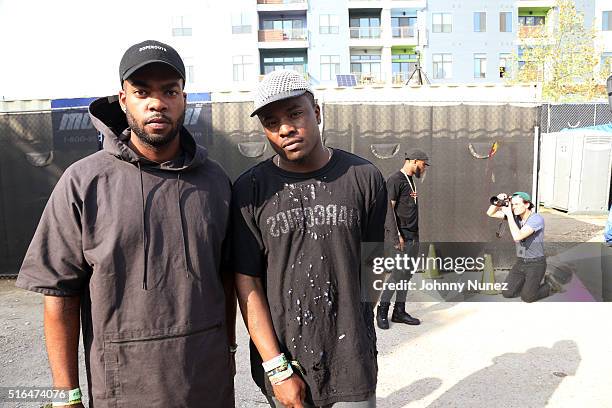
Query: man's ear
point(317, 110)
point(122, 96)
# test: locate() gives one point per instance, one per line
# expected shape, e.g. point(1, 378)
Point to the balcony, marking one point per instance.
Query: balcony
point(400, 78)
point(369, 78)
point(404, 32)
point(525, 31)
point(281, 5)
point(365, 33)
point(285, 38)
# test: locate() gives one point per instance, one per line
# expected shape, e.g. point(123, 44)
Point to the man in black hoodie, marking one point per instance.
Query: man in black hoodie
point(131, 240)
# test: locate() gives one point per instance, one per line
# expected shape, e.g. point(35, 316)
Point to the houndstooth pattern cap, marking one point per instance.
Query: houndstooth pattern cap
point(279, 85)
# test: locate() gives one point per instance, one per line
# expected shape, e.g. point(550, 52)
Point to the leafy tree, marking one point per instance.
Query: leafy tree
point(561, 55)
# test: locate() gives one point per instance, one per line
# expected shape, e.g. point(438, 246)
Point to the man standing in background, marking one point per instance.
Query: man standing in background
point(403, 229)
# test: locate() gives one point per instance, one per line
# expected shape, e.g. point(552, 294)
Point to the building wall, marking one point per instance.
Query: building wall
point(76, 53)
point(604, 38)
point(327, 43)
point(463, 43)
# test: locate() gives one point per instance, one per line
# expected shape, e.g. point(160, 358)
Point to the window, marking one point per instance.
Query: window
point(366, 65)
point(328, 24)
point(181, 26)
point(190, 74)
point(505, 22)
point(480, 65)
point(606, 63)
point(442, 22)
point(403, 27)
point(330, 66)
point(606, 21)
point(531, 21)
point(442, 66)
point(241, 23)
point(521, 59)
point(293, 29)
point(243, 67)
point(365, 27)
point(480, 22)
point(403, 65)
point(505, 64)
point(288, 61)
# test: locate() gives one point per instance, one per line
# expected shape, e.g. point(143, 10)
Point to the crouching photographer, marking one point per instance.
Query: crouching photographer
point(527, 276)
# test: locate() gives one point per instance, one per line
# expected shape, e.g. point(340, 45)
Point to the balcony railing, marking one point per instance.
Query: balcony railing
point(404, 32)
point(365, 32)
point(364, 78)
point(296, 34)
point(280, 1)
point(400, 78)
point(531, 31)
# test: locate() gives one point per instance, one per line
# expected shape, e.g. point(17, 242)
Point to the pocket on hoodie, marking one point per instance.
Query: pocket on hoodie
point(186, 368)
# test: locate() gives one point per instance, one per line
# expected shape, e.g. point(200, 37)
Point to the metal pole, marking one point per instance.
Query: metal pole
point(536, 167)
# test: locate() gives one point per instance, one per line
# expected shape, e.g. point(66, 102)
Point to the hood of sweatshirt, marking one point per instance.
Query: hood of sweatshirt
point(109, 119)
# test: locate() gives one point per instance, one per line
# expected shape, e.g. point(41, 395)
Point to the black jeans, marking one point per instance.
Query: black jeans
point(411, 242)
point(525, 279)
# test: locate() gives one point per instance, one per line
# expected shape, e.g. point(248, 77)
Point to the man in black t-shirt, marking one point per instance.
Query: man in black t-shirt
point(299, 219)
point(403, 227)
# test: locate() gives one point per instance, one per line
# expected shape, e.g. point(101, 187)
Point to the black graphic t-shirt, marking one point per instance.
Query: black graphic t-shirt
point(302, 234)
point(406, 207)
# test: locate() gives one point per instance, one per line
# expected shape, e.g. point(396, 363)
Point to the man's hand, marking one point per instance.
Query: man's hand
point(401, 243)
point(291, 392)
point(507, 211)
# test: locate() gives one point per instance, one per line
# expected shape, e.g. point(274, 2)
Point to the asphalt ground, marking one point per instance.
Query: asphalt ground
point(476, 354)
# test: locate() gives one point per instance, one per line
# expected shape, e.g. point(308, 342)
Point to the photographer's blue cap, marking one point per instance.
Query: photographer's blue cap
point(523, 195)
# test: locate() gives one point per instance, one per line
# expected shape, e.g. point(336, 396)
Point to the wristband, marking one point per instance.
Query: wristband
point(277, 370)
point(274, 363)
point(74, 397)
point(281, 376)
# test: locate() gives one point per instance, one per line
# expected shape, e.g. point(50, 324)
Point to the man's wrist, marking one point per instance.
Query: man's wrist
point(74, 397)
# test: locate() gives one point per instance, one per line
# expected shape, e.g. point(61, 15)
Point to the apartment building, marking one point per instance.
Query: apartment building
point(380, 41)
point(231, 44)
point(603, 24)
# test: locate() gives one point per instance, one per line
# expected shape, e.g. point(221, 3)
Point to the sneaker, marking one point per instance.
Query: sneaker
point(555, 285)
point(381, 317)
point(400, 316)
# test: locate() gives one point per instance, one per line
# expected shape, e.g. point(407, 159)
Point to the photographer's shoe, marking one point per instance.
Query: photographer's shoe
point(555, 285)
point(381, 316)
point(400, 316)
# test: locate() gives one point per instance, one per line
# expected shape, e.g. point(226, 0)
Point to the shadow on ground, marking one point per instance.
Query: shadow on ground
point(515, 379)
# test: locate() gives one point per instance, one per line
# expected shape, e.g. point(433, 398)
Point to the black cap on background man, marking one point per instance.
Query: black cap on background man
point(417, 154)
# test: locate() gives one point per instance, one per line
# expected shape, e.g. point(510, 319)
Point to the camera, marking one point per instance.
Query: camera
point(496, 201)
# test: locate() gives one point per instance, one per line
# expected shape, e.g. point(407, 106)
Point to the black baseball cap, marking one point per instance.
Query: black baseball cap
point(148, 52)
point(417, 154)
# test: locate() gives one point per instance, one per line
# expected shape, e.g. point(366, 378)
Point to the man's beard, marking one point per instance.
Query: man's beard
point(155, 141)
point(417, 173)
